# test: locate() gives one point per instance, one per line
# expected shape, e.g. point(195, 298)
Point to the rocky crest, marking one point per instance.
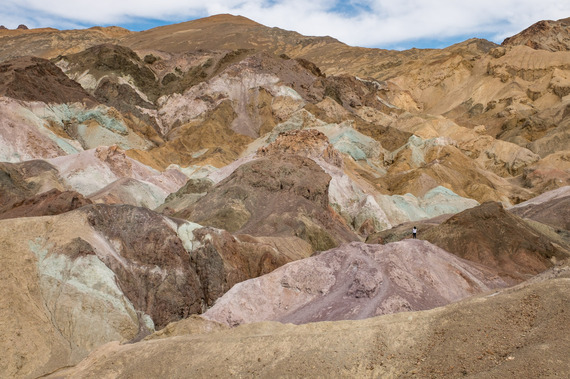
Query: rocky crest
point(277, 195)
point(48, 203)
point(544, 35)
point(36, 79)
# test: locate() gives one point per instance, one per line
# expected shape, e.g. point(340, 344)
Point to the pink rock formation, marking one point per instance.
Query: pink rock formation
point(355, 281)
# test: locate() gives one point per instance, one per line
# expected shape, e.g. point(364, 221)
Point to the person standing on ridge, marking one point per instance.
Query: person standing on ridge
point(414, 231)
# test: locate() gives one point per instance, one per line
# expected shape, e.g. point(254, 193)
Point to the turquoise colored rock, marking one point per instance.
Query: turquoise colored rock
point(71, 113)
point(436, 202)
point(80, 292)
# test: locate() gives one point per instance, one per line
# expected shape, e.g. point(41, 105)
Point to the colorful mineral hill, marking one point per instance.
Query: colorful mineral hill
point(191, 192)
point(355, 281)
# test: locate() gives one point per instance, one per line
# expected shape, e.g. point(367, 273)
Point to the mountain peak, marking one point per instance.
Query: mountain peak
point(226, 18)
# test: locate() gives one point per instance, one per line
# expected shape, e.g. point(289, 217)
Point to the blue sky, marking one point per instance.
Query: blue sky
point(387, 24)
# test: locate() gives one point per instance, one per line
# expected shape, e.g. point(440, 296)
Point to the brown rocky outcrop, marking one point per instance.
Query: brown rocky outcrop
point(21, 181)
point(152, 268)
point(492, 236)
point(130, 191)
point(308, 143)
point(22, 27)
point(278, 195)
point(36, 79)
point(391, 138)
point(549, 173)
point(49, 203)
point(222, 260)
point(192, 191)
point(551, 208)
point(114, 61)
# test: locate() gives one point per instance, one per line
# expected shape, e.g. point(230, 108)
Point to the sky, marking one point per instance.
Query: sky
point(388, 24)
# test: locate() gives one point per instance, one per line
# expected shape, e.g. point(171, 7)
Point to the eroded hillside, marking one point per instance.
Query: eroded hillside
point(254, 174)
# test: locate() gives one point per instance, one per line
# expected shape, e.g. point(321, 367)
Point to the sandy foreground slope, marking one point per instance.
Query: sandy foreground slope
point(517, 332)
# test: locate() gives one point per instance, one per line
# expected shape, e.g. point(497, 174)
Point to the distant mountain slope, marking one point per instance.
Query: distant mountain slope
point(551, 208)
point(235, 32)
point(219, 32)
point(49, 43)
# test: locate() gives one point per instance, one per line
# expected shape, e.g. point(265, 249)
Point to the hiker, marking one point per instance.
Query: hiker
point(414, 231)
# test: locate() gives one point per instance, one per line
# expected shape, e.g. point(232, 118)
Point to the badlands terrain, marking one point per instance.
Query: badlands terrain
point(219, 198)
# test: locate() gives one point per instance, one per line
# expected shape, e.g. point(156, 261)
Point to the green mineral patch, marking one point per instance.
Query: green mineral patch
point(37, 246)
point(408, 204)
point(66, 114)
point(441, 200)
point(355, 144)
point(64, 144)
point(85, 274)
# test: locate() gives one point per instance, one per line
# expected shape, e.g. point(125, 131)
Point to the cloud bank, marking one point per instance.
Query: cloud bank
point(370, 23)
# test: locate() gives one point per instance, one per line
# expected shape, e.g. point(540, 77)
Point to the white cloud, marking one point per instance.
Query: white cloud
point(375, 23)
